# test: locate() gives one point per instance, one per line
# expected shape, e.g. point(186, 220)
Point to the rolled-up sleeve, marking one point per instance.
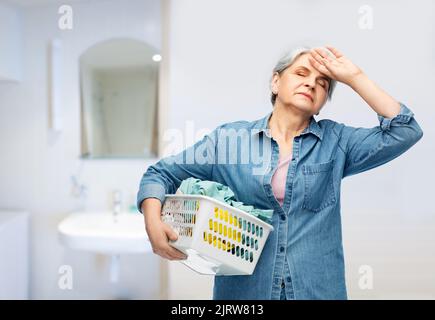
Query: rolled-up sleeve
point(368, 148)
point(165, 176)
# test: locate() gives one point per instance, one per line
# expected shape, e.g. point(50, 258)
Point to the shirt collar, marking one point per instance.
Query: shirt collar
point(261, 125)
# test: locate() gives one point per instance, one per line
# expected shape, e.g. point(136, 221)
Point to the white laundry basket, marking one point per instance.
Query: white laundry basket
point(218, 238)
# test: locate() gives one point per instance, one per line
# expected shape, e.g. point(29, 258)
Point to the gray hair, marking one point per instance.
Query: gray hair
point(287, 60)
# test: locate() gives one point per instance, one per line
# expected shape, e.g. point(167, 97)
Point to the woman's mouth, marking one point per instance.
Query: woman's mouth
point(307, 96)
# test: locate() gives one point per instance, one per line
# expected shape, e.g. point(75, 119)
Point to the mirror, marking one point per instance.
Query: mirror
point(118, 96)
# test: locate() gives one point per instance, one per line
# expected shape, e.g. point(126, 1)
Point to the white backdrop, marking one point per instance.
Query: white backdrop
point(221, 57)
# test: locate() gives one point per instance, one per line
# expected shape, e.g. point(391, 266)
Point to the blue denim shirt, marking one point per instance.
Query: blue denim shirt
point(303, 256)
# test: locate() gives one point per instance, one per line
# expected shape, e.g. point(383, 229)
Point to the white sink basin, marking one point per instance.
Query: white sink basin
point(99, 232)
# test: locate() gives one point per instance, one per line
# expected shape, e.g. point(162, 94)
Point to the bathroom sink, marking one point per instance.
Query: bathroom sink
point(102, 232)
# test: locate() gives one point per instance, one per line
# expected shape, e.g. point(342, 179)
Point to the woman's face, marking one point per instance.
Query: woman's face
point(301, 86)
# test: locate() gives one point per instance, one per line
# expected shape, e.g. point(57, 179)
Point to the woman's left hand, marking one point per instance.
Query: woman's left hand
point(337, 67)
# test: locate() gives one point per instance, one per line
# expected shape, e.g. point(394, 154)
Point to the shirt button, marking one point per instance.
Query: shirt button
point(283, 217)
point(281, 249)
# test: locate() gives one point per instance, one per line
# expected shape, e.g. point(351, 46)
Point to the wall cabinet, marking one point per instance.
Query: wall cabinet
point(10, 44)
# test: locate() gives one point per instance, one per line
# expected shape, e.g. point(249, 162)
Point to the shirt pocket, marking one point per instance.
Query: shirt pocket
point(319, 189)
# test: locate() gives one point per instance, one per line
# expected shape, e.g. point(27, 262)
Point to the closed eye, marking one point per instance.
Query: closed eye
point(322, 81)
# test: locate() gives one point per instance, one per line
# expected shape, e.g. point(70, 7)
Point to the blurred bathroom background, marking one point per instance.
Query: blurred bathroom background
point(88, 89)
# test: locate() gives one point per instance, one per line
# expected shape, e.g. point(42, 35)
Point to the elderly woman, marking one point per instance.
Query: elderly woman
point(304, 166)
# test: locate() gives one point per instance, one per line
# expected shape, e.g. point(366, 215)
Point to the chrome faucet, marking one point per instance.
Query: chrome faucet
point(117, 199)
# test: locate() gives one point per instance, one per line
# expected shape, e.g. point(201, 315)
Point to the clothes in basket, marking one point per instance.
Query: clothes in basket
point(222, 193)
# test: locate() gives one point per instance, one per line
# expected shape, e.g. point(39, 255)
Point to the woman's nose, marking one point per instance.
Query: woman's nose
point(309, 85)
point(310, 82)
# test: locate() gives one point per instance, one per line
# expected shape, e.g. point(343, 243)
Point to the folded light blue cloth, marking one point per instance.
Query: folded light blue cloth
point(222, 193)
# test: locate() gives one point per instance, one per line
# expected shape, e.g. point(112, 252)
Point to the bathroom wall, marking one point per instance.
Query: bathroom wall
point(222, 54)
point(14, 265)
point(37, 165)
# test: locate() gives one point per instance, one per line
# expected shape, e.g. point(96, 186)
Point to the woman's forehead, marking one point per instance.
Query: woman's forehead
point(303, 62)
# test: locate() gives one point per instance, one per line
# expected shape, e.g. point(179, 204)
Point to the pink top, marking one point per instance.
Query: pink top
point(279, 178)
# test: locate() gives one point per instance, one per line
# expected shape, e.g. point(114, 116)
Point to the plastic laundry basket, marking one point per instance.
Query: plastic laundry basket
point(218, 238)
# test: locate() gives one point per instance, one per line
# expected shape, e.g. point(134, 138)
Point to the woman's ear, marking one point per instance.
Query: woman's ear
point(275, 83)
